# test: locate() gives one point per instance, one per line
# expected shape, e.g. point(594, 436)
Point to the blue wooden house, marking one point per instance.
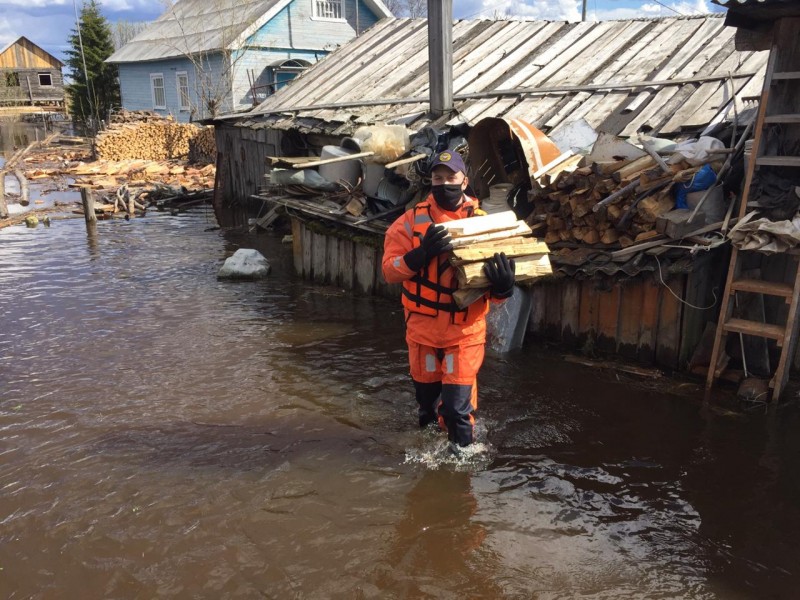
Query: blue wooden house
point(207, 57)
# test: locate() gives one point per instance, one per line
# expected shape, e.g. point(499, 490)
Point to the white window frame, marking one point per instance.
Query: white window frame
point(317, 17)
point(153, 77)
point(181, 105)
point(50, 75)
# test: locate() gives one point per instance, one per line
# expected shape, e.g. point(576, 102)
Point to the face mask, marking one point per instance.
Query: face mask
point(447, 195)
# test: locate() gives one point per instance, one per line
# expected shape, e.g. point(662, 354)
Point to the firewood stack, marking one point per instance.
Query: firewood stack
point(142, 135)
point(203, 147)
point(609, 202)
point(477, 239)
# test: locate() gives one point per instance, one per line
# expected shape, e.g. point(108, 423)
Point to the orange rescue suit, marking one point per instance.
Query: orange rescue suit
point(432, 318)
point(445, 344)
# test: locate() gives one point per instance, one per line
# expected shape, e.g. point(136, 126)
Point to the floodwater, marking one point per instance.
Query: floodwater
point(167, 435)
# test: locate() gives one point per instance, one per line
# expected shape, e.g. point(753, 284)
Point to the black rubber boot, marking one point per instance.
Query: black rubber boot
point(427, 399)
point(456, 410)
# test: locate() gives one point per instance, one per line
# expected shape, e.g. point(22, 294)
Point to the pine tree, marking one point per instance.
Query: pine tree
point(95, 97)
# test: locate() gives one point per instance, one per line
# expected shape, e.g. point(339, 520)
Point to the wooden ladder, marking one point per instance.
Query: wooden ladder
point(781, 84)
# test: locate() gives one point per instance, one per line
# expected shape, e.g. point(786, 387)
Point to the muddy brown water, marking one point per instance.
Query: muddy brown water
point(166, 435)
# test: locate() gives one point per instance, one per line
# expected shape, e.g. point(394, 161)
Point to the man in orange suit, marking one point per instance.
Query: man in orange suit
point(445, 343)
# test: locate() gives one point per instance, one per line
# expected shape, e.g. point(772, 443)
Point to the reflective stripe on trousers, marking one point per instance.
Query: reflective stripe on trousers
point(445, 382)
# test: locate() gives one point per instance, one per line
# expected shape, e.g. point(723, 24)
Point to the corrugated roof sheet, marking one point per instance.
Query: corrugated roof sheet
point(390, 62)
point(193, 26)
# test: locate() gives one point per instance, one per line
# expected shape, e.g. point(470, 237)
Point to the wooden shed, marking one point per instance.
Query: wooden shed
point(30, 76)
point(655, 316)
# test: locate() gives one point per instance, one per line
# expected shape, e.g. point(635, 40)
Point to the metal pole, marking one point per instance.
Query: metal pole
point(89, 92)
point(583, 11)
point(440, 56)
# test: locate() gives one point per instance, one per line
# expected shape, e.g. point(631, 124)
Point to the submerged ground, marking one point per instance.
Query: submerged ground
point(163, 434)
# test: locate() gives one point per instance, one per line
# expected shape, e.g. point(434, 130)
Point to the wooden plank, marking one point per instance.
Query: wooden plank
point(667, 100)
point(778, 161)
point(698, 283)
point(552, 312)
point(522, 229)
point(669, 323)
point(608, 318)
point(538, 307)
point(364, 272)
point(630, 315)
point(570, 310)
point(346, 275)
point(475, 80)
point(790, 342)
point(297, 245)
point(588, 311)
point(472, 226)
point(332, 260)
point(318, 257)
point(308, 252)
point(648, 324)
point(527, 268)
point(512, 248)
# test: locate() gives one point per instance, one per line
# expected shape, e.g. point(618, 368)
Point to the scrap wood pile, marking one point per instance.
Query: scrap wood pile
point(608, 202)
point(106, 174)
point(476, 239)
point(127, 202)
point(144, 135)
point(368, 174)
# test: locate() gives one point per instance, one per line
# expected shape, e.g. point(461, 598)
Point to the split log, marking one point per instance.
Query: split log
point(633, 169)
point(484, 224)
point(512, 248)
point(527, 268)
point(521, 229)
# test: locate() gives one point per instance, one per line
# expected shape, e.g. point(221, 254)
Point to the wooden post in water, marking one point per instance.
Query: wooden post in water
point(24, 189)
point(3, 206)
point(88, 211)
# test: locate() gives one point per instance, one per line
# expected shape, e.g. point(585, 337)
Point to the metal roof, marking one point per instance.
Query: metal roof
point(547, 73)
point(195, 26)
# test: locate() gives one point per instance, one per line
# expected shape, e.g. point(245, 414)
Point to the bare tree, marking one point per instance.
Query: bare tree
point(408, 8)
point(212, 43)
point(124, 31)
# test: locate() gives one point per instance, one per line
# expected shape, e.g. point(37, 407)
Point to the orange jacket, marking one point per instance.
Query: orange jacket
point(436, 328)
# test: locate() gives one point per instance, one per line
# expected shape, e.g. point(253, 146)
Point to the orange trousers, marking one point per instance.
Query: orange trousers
point(445, 382)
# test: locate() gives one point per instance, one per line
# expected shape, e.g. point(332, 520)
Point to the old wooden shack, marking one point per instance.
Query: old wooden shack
point(30, 75)
point(674, 77)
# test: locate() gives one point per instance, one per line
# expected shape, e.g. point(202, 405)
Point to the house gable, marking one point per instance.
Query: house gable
point(24, 54)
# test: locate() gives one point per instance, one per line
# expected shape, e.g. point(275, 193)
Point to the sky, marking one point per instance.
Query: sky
point(48, 22)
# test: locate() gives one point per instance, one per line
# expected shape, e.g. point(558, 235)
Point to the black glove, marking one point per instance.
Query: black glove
point(435, 242)
point(499, 271)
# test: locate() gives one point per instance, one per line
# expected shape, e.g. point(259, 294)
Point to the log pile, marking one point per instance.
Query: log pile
point(142, 135)
point(203, 147)
point(477, 239)
point(608, 203)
